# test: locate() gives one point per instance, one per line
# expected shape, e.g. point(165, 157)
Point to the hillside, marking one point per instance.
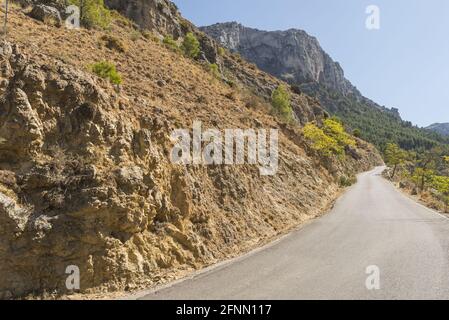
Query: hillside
point(297, 58)
point(85, 171)
point(440, 128)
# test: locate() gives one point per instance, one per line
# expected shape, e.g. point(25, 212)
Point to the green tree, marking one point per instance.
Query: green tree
point(429, 160)
point(280, 99)
point(394, 157)
point(422, 176)
point(357, 133)
point(93, 13)
point(191, 46)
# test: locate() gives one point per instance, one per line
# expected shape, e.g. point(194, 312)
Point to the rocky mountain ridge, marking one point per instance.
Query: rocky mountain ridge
point(441, 128)
point(291, 55)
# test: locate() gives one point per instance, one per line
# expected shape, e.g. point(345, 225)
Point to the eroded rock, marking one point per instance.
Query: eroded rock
point(46, 14)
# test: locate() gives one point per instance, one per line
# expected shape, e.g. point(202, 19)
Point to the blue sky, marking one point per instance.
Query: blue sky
point(405, 64)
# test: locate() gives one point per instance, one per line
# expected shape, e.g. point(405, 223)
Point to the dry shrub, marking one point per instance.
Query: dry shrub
point(253, 101)
point(114, 43)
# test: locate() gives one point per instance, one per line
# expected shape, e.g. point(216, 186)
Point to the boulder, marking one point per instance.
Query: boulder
point(48, 15)
point(161, 16)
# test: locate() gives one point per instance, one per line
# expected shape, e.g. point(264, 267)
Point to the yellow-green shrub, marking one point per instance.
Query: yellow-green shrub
point(170, 43)
point(214, 70)
point(321, 142)
point(333, 128)
point(107, 70)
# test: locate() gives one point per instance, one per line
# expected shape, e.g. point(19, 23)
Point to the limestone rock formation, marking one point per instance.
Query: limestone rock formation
point(291, 55)
point(159, 15)
point(47, 14)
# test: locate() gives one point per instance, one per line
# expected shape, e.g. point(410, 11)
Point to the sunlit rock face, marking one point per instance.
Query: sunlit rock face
point(292, 55)
point(158, 15)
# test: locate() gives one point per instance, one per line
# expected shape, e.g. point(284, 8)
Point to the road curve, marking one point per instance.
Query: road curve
point(372, 224)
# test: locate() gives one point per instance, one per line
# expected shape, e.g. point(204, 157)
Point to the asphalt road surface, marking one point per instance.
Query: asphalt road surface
point(374, 235)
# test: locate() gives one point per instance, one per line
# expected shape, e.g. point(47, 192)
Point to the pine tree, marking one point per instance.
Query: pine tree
point(280, 100)
point(394, 156)
point(191, 46)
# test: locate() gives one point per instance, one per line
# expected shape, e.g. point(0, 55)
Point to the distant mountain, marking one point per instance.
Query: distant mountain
point(297, 58)
point(441, 128)
point(292, 55)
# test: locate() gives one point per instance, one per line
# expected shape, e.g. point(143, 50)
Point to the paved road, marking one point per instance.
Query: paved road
point(372, 224)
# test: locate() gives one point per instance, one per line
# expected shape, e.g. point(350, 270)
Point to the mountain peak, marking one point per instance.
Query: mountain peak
point(292, 55)
point(441, 128)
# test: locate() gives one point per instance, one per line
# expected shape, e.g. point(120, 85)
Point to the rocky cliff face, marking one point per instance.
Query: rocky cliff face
point(158, 15)
point(291, 55)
